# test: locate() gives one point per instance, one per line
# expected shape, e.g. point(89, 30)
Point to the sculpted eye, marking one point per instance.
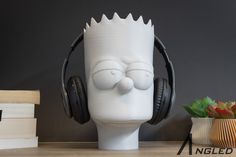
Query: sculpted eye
point(142, 79)
point(141, 74)
point(106, 79)
point(106, 74)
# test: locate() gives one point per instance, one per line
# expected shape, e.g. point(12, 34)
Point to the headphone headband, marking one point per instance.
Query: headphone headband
point(74, 44)
point(158, 44)
point(64, 94)
point(169, 66)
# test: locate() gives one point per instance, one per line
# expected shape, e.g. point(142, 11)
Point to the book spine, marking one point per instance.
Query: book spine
point(18, 128)
point(18, 143)
point(17, 110)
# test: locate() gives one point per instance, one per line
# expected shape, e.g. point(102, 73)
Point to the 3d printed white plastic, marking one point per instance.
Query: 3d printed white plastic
point(119, 75)
point(200, 130)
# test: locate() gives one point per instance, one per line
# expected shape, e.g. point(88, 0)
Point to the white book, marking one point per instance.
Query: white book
point(17, 110)
point(18, 143)
point(18, 128)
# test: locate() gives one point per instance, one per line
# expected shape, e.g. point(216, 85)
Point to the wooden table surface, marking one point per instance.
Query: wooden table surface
point(89, 149)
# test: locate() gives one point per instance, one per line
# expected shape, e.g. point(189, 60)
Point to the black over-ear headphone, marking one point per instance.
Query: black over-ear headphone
point(75, 98)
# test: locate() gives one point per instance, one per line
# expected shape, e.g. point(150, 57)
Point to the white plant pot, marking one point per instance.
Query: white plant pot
point(200, 130)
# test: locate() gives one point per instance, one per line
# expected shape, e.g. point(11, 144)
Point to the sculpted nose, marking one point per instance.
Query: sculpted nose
point(125, 85)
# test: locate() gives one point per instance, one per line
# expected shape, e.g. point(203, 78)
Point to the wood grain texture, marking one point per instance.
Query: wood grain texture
point(20, 96)
point(89, 149)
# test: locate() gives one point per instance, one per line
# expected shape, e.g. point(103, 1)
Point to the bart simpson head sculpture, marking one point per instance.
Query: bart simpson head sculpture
point(121, 94)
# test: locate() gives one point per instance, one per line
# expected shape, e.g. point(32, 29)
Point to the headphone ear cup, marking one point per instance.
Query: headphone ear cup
point(78, 100)
point(157, 100)
point(161, 100)
point(167, 99)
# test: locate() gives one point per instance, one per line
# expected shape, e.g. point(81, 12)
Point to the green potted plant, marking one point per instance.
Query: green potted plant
point(201, 122)
point(223, 131)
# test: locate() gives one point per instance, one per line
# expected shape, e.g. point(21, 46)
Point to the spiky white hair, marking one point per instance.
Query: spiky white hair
point(119, 21)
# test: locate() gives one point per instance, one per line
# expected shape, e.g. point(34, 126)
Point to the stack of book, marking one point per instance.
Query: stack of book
point(17, 122)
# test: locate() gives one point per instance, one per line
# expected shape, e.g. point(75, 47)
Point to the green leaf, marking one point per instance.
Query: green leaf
point(190, 111)
point(207, 101)
point(198, 107)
